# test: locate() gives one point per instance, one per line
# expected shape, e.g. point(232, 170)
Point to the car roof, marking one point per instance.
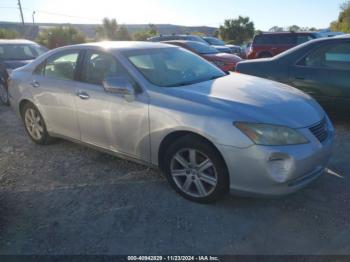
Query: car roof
point(124, 45)
point(182, 41)
point(16, 41)
point(286, 33)
point(346, 36)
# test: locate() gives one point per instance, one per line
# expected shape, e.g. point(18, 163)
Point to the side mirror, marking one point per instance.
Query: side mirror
point(118, 85)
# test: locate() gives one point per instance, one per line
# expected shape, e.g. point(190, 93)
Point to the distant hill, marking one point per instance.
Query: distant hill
point(32, 31)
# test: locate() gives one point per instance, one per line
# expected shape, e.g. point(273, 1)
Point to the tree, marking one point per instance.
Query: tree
point(343, 22)
point(110, 30)
point(276, 29)
point(145, 34)
point(8, 34)
point(60, 36)
point(294, 28)
point(237, 30)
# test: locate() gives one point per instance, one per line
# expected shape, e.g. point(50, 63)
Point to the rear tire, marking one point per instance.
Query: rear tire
point(35, 125)
point(4, 96)
point(195, 169)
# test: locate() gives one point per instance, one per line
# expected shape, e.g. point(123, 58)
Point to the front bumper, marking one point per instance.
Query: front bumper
point(277, 170)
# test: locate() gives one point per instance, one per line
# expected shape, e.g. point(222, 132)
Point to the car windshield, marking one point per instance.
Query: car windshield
point(201, 48)
point(20, 51)
point(214, 41)
point(194, 38)
point(171, 67)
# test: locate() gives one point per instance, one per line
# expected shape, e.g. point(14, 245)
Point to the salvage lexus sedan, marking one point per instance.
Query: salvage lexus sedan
point(164, 106)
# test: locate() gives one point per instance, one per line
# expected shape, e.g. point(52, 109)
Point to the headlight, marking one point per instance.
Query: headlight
point(271, 135)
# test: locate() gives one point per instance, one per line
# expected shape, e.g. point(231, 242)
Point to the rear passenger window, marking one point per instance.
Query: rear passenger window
point(287, 39)
point(62, 66)
point(303, 38)
point(264, 40)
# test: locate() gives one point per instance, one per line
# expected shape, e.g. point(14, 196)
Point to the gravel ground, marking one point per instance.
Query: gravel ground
point(67, 199)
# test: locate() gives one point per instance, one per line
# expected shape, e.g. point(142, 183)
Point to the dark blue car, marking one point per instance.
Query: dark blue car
point(15, 54)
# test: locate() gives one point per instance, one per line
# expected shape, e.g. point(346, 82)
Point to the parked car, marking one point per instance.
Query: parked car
point(270, 44)
point(195, 38)
point(161, 105)
point(14, 54)
point(218, 44)
point(320, 68)
point(226, 62)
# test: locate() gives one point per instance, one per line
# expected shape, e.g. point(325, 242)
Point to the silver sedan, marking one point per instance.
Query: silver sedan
point(210, 133)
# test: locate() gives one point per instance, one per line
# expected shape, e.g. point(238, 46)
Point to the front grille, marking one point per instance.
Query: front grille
point(320, 131)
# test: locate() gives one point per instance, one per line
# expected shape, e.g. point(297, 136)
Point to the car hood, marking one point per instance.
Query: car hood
point(13, 64)
point(224, 57)
point(252, 99)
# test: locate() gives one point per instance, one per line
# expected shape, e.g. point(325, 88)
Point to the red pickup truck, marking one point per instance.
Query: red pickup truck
point(271, 44)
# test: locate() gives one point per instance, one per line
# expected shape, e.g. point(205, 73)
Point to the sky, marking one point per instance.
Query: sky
point(264, 13)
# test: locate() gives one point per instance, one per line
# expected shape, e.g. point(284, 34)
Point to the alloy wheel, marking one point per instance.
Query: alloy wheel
point(34, 124)
point(194, 173)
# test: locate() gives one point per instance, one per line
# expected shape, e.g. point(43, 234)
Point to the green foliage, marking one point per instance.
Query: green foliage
point(60, 36)
point(8, 34)
point(237, 30)
point(144, 35)
point(294, 28)
point(276, 29)
point(343, 22)
point(198, 34)
point(110, 30)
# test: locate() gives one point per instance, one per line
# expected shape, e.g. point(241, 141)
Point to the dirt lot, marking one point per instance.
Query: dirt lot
point(67, 199)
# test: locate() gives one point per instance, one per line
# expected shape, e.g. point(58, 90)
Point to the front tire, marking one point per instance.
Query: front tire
point(35, 125)
point(196, 170)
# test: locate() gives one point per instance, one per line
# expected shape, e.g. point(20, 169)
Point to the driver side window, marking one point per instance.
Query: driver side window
point(98, 66)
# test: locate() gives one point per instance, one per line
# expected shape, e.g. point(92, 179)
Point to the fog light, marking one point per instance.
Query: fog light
point(280, 167)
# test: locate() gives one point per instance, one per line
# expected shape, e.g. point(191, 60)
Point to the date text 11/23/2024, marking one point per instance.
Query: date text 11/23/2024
point(173, 258)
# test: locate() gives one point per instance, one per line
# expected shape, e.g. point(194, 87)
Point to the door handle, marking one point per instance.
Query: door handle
point(83, 95)
point(35, 84)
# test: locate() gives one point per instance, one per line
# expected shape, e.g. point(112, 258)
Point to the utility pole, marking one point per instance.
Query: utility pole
point(20, 9)
point(33, 17)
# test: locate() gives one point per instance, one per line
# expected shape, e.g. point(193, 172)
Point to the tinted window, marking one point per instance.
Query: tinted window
point(62, 66)
point(264, 40)
point(303, 38)
point(288, 39)
point(98, 66)
point(172, 66)
point(331, 56)
point(20, 51)
point(214, 41)
point(201, 48)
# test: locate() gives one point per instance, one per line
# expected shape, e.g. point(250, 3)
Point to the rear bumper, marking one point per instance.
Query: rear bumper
point(276, 170)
